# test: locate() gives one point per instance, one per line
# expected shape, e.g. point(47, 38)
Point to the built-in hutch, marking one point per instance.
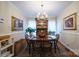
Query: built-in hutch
point(42, 28)
point(6, 46)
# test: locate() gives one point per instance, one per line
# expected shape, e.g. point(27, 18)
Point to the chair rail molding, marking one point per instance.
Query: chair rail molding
point(71, 41)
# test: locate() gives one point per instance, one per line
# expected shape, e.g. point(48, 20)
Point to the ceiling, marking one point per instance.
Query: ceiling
point(32, 8)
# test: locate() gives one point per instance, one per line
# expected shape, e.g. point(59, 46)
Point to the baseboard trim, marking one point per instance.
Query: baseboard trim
point(67, 48)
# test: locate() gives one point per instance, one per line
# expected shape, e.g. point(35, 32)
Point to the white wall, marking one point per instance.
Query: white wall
point(70, 38)
point(7, 9)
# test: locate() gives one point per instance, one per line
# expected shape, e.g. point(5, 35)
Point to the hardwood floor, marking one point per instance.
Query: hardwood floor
point(63, 52)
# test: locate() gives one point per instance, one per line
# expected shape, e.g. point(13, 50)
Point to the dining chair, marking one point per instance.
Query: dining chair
point(26, 38)
point(47, 44)
point(55, 43)
point(28, 45)
point(41, 46)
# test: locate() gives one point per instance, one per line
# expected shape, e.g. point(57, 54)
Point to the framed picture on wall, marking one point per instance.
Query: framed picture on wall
point(70, 22)
point(16, 24)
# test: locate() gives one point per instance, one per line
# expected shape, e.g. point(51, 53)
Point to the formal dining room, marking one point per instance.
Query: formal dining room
point(39, 28)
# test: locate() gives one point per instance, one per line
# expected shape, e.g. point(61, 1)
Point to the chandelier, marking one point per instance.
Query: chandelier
point(42, 15)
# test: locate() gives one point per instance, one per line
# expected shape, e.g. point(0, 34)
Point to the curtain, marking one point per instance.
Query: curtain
point(51, 25)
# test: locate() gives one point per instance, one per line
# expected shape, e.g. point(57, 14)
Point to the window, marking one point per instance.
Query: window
point(32, 24)
point(51, 25)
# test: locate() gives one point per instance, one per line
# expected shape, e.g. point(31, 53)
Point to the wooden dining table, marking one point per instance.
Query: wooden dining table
point(32, 41)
